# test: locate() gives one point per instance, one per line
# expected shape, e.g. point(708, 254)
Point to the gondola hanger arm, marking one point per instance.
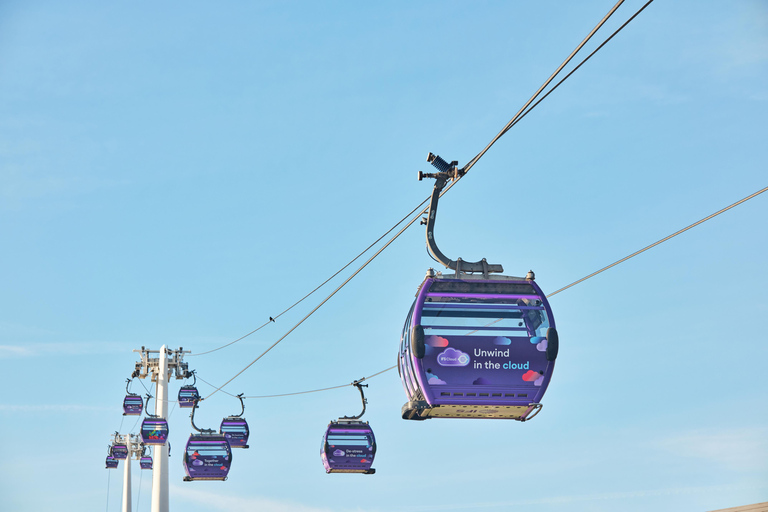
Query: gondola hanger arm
point(359, 386)
point(447, 172)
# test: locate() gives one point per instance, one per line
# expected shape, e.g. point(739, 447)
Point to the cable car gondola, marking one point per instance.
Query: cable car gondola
point(145, 462)
point(475, 345)
point(188, 394)
point(235, 428)
point(207, 456)
point(348, 444)
point(119, 449)
point(154, 429)
point(133, 405)
point(111, 461)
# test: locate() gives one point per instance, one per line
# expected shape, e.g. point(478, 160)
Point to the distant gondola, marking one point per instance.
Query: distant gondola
point(145, 462)
point(111, 461)
point(348, 444)
point(133, 405)
point(235, 428)
point(154, 429)
point(188, 394)
point(348, 447)
point(120, 451)
point(207, 455)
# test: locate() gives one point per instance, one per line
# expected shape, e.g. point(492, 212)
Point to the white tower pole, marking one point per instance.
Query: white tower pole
point(127, 475)
point(160, 462)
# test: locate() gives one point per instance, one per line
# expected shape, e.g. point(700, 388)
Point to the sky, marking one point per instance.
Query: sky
point(175, 174)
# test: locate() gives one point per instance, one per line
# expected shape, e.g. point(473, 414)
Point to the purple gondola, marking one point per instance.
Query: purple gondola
point(236, 431)
point(120, 451)
point(154, 429)
point(145, 462)
point(475, 345)
point(208, 455)
point(133, 404)
point(348, 444)
point(111, 461)
point(348, 447)
point(477, 348)
point(188, 394)
point(235, 428)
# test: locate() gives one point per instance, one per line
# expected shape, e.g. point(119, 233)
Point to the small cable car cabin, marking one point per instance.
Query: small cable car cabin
point(348, 447)
point(111, 462)
point(119, 451)
point(154, 431)
point(477, 346)
point(188, 394)
point(133, 405)
point(145, 462)
point(235, 428)
point(207, 457)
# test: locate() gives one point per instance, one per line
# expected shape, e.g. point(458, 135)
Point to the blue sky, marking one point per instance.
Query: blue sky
point(176, 174)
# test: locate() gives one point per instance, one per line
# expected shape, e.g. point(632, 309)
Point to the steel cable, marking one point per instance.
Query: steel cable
point(550, 295)
point(319, 286)
point(515, 121)
point(660, 241)
point(472, 162)
point(324, 389)
point(520, 114)
point(466, 168)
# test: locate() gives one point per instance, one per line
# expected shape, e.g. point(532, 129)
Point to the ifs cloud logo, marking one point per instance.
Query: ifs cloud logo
point(452, 357)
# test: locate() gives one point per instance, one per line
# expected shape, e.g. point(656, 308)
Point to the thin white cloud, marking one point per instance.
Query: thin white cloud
point(737, 448)
point(562, 500)
point(217, 501)
point(53, 408)
point(7, 351)
point(59, 349)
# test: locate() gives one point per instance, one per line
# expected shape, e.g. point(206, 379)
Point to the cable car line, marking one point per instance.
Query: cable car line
point(661, 241)
point(445, 190)
point(219, 388)
point(520, 114)
point(325, 389)
point(514, 120)
point(324, 300)
point(272, 319)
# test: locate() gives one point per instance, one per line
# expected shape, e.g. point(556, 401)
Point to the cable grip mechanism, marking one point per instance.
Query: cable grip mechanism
point(447, 172)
